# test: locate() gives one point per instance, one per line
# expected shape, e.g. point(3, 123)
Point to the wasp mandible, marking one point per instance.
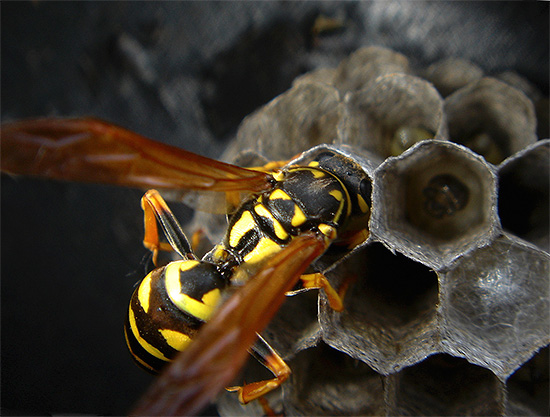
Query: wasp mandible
point(290, 216)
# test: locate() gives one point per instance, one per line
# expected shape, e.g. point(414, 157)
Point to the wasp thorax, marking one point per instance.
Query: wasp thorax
point(309, 196)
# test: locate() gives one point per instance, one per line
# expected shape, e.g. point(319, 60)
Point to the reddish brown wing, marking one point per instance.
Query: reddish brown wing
point(91, 150)
point(217, 354)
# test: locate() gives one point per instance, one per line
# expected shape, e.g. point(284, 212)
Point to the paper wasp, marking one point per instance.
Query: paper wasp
point(289, 217)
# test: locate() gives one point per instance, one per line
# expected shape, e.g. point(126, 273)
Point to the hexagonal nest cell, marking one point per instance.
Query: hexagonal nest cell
point(448, 299)
point(524, 202)
point(434, 202)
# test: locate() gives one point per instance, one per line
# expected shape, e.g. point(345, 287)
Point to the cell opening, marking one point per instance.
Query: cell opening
point(328, 382)
point(490, 142)
point(445, 195)
point(528, 387)
point(446, 385)
point(478, 119)
point(391, 290)
point(523, 199)
point(401, 138)
point(446, 199)
point(295, 326)
point(392, 113)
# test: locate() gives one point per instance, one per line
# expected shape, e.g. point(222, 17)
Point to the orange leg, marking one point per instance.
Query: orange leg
point(344, 286)
point(272, 361)
point(317, 281)
point(233, 200)
point(156, 211)
point(357, 238)
point(196, 238)
point(353, 239)
point(268, 411)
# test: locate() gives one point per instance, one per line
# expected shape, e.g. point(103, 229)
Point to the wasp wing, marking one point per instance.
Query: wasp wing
point(220, 349)
point(91, 150)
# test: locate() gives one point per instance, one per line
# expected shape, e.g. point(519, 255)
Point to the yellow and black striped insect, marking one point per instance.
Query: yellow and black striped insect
point(290, 217)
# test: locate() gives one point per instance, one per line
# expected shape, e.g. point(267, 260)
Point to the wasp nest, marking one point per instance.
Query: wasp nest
point(449, 309)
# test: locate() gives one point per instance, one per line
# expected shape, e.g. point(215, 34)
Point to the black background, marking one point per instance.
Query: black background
point(186, 74)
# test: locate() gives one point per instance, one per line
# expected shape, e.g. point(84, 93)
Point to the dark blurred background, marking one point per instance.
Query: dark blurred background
point(185, 74)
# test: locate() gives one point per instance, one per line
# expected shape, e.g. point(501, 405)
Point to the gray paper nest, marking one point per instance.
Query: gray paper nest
point(446, 305)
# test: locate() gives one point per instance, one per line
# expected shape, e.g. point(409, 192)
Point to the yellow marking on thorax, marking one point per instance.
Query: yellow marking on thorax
point(144, 292)
point(338, 196)
point(362, 204)
point(298, 218)
point(201, 309)
point(314, 164)
point(278, 175)
point(262, 250)
point(262, 211)
point(244, 224)
point(278, 194)
point(317, 173)
point(175, 339)
point(342, 197)
point(144, 344)
point(280, 232)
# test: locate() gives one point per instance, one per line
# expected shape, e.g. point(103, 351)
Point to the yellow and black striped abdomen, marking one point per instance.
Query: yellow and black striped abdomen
point(167, 309)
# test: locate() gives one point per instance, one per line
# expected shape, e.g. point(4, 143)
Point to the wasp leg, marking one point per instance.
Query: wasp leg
point(268, 411)
point(233, 200)
point(157, 211)
point(351, 240)
point(196, 238)
point(316, 281)
point(272, 361)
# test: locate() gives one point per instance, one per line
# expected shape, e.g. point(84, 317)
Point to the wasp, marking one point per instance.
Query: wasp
point(211, 309)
